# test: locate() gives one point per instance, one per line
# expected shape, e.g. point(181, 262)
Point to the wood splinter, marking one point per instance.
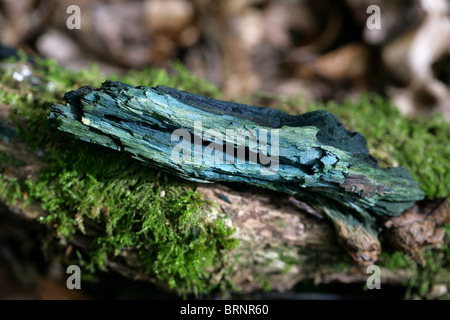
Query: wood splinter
point(310, 156)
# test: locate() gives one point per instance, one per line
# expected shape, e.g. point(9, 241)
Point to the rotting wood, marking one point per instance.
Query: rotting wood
point(268, 227)
point(312, 156)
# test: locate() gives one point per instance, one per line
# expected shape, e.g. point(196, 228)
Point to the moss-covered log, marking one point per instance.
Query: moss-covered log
point(311, 156)
point(279, 245)
point(108, 211)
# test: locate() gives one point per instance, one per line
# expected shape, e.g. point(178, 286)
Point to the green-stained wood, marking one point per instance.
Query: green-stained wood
point(319, 161)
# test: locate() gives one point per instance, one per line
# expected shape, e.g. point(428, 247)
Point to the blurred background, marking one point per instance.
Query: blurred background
point(317, 49)
point(320, 49)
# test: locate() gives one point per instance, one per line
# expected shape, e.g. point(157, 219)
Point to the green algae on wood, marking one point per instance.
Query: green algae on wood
point(318, 160)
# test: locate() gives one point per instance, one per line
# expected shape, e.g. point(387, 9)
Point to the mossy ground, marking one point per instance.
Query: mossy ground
point(160, 217)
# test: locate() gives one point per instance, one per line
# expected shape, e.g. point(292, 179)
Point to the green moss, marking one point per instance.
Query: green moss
point(180, 78)
point(435, 271)
point(140, 210)
point(10, 190)
point(266, 285)
point(134, 209)
point(396, 260)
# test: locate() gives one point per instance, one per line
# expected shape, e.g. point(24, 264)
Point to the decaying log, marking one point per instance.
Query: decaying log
point(310, 156)
point(269, 225)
